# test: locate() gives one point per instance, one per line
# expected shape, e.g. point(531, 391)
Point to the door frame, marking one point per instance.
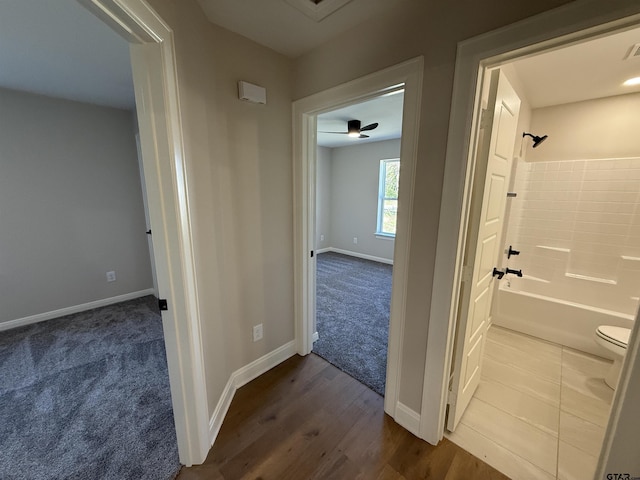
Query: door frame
point(556, 28)
point(166, 181)
point(305, 112)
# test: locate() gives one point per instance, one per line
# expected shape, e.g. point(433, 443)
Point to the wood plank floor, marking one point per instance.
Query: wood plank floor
point(305, 419)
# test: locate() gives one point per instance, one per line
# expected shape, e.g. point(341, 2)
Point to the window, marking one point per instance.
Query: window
point(388, 197)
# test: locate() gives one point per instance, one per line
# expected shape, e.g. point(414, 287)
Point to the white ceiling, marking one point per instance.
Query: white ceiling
point(588, 70)
point(385, 110)
point(58, 48)
point(285, 29)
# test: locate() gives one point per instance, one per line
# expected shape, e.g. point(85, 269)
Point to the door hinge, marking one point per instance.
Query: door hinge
point(486, 118)
point(148, 232)
point(162, 304)
point(451, 398)
point(311, 253)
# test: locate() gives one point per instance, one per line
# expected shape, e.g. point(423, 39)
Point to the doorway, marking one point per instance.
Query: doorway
point(358, 166)
point(306, 111)
point(155, 83)
point(574, 272)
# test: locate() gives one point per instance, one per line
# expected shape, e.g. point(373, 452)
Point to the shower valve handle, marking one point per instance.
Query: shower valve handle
point(511, 251)
point(515, 272)
point(498, 273)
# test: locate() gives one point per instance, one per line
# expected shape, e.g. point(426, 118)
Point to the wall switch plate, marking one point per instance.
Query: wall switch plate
point(111, 276)
point(257, 333)
point(355, 240)
point(322, 238)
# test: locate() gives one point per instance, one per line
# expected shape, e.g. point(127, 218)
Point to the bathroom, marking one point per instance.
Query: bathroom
point(573, 224)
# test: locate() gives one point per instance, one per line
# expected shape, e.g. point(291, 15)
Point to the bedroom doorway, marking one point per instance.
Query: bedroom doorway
point(305, 119)
point(357, 186)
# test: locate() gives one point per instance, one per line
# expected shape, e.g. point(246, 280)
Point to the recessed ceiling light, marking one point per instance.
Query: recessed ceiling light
point(632, 81)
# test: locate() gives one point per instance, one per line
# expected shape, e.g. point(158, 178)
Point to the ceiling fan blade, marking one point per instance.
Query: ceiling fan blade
point(371, 126)
point(363, 136)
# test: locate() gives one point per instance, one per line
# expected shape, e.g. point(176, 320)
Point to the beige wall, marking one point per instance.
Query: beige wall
point(71, 205)
point(355, 173)
point(431, 29)
point(240, 189)
point(594, 129)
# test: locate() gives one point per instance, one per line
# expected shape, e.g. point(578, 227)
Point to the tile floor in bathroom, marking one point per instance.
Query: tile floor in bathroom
point(540, 410)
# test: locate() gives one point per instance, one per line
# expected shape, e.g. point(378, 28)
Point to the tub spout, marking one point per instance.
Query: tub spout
point(515, 272)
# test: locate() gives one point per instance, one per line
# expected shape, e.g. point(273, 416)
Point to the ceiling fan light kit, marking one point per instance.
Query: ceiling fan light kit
point(354, 129)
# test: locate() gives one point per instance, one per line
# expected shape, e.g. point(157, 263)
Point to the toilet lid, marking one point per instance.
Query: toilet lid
point(616, 335)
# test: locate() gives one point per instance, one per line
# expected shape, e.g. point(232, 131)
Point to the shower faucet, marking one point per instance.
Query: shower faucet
point(511, 252)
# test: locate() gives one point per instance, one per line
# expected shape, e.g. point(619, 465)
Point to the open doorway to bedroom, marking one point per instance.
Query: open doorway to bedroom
point(357, 185)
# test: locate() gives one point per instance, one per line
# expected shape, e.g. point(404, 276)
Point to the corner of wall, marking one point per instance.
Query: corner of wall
point(241, 377)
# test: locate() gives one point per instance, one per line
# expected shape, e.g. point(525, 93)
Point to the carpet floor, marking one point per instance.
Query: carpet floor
point(86, 396)
point(353, 300)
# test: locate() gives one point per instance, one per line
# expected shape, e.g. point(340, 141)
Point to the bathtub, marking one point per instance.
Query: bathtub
point(555, 320)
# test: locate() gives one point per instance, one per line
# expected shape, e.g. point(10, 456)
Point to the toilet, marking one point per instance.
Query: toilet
point(614, 339)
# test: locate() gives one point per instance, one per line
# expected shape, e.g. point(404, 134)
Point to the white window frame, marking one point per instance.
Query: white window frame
point(382, 198)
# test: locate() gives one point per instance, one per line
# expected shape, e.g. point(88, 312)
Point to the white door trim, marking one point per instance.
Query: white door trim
point(572, 22)
point(305, 112)
point(140, 24)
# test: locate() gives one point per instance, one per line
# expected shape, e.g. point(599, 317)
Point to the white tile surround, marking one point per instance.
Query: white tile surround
point(577, 225)
point(540, 410)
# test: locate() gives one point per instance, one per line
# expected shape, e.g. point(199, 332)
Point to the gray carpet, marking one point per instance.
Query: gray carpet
point(86, 396)
point(353, 298)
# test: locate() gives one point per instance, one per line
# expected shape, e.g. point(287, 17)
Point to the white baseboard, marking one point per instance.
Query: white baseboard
point(41, 317)
point(359, 255)
point(243, 376)
point(315, 337)
point(323, 250)
point(215, 422)
point(408, 418)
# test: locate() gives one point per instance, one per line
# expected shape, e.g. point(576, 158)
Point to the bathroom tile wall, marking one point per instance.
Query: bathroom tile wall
point(577, 225)
point(576, 217)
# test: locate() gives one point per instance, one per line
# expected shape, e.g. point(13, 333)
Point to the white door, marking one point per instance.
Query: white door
point(493, 166)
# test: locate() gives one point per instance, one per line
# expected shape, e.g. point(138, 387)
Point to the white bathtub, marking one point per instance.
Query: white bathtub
point(559, 321)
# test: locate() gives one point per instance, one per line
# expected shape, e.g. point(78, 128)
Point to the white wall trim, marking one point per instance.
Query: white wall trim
point(360, 255)
point(408, 418)
point(324, 250)
point(41, 317)
point(243, 376)
point(572, 22)
point(215, 423)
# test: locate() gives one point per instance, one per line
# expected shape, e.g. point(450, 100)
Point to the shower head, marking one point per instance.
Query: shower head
point(536, 140)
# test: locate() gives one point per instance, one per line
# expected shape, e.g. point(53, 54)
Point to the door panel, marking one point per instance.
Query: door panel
point(493, 165)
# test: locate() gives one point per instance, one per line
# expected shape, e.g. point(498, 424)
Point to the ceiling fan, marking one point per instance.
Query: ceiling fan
point(355, 130)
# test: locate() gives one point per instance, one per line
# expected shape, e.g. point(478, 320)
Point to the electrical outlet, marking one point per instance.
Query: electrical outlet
point(322, 238)
point(111, 276)
point(355, 240)
point(257, 333)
